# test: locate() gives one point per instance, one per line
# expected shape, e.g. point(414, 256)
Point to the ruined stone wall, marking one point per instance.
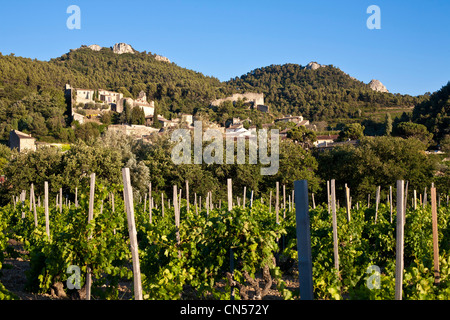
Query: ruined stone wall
point(257, 98)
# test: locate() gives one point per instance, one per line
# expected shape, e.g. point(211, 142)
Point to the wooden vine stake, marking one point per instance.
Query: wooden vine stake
point(31, 197)
point(399, 263)
point(176, 210)
point(424, 203)
point(33, 204)
point(335, 236)
point(328, 196)
point(391, 201)
point(377, 202)
point(60, 200)
point(230, 207)
point(277, 202)
point(150, 203)
point(303, 240)
point(348, 203)
point(128, 193)
point(435, 236)
point(76, 197)
point(162, 204)
point(47, 223)
point(90, 217)
point(405, 201)
point(415, 199)
point(270, 202)
point(187, 196)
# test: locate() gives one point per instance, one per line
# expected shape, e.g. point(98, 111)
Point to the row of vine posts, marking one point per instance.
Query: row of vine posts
point(300, 198)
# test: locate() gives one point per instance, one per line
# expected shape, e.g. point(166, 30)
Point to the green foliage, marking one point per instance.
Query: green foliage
point(435, 113)
point(352, 131)
point(388, 124)
point(364, 243)
point(88, 131)
point(99, 245)
point(4, 293)
point(305, 137)
point(207, 243)
point(377, 161)
point(322, 94)
point(414, 130)
point(213, 241)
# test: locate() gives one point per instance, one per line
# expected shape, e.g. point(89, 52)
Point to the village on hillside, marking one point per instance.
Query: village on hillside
point(88, 105)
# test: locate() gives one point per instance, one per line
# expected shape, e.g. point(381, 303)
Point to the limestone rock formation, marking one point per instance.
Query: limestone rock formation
point(377, 86)
point(313, 65)
point(161, 58)
point(121, 48)
point(95, 47)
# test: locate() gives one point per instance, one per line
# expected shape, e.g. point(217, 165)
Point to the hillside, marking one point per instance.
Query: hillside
point(32, 97)
point(318, 92)
point(175, 88)
point(435, 112)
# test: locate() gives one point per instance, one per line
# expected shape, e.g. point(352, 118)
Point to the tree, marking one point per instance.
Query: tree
point(125, 116)
point(352, 131)
point(434, 112)
point(26, 168)
point(388, 124)
point(106, 118)
point(303, 136)
point(38, 127)
point(377, 161)
point(445, 144)
point(414, 130)
point(88, 131)
point(137, 116)
point(83, 159)
point(295, 163)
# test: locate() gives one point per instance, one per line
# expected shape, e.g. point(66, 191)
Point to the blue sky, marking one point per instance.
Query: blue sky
point(409, 54)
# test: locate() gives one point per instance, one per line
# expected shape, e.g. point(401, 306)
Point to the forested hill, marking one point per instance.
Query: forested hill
point(435, 112)
point(32, 91)
point(320, 94)
point(174, 87)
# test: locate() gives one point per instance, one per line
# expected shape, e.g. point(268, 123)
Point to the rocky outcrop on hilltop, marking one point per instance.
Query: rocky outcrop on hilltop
point(376, 85)
point(121, 48)
point(95, 47)
point(313, 65)
point(161, 58)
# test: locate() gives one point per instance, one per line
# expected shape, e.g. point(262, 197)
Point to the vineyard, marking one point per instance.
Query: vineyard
point(213, 249)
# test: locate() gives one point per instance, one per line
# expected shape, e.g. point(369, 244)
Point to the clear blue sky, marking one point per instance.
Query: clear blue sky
point(409, 54)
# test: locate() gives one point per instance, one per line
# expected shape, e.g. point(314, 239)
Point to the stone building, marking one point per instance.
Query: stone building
point(21, 141)
point(140, 101)
point(256, 98)
point(109, 100)
point(298, 120)
point(82, 96)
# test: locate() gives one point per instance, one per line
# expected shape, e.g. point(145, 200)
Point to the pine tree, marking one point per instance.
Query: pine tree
point(388, 124)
